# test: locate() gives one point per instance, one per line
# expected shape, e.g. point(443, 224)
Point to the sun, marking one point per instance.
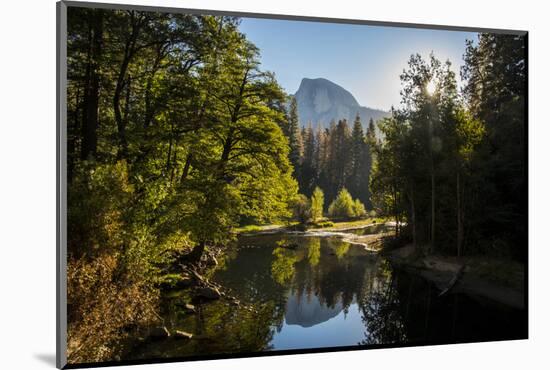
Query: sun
point(430, 87)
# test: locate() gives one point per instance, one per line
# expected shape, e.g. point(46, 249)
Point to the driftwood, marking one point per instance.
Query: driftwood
point(453, 281)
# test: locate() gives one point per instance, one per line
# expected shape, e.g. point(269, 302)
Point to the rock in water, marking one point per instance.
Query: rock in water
point(208, 293)
point(160, 333)
point(182, 335)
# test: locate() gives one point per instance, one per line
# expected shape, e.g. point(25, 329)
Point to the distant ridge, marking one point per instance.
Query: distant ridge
point(321, 101)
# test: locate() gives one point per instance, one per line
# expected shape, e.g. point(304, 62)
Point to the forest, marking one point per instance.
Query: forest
point(177, 137)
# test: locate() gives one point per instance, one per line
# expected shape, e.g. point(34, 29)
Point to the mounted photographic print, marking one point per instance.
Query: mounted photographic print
point(235, 185)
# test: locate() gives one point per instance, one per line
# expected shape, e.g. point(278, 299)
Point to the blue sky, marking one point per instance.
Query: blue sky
point(365, 60)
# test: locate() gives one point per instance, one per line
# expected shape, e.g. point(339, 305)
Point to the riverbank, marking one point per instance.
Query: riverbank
point(486, 279)
point(353, 232)
point(326, 225)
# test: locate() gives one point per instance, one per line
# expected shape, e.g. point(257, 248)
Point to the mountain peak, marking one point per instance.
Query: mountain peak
point(324, 92)
point(321, 101)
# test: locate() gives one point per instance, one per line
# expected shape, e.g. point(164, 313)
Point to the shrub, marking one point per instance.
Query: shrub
point(302, 209)
point(359, 208)
point(342, 206)
point(104, 299)
point(345, 207)
point(317, 204)
point(111, 269)
point(322, 224)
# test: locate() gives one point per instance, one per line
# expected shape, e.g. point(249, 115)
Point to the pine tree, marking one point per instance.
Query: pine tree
point(308, 174)
point(295, 137)
point(358, 147)
point(342, 154)
point(371, 133)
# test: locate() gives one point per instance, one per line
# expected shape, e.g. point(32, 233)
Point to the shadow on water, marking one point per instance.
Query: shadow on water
point(323, 292)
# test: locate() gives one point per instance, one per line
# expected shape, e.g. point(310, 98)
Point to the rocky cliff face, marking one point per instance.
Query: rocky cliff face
point(320, 101)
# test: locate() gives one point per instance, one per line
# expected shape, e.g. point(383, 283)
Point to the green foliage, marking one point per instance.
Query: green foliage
point(495, 80)
point(190, 143)
point(98, 199)
point(447, 167)
point(302, 209)
point(322, 224)
point(330, 158)
point(359, 208)
point(317, 204)
point(343, 206)
point(294, 136)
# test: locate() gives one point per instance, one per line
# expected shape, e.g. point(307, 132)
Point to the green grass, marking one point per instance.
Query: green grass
point(338, 225)
point(247, 229)
point(321, 225)
point(325, 224)
point(257, 228)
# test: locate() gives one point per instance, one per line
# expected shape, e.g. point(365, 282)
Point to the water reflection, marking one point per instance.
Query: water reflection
point(308, 311)
point(322, 292)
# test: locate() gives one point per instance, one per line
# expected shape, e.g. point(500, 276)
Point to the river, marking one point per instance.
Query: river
point(326, 292)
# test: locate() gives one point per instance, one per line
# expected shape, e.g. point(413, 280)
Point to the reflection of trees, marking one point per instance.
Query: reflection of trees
point(395, 308)
point(218, 328)
point(339, 246)
point(373, 229)
point(380, 307)
point(321, 272)
point(282, 267)
point(313, 246)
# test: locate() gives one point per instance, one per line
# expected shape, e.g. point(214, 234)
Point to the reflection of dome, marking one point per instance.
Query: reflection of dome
point(308, 311)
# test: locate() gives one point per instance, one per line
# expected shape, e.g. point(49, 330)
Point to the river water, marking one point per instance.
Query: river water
point(325, 292)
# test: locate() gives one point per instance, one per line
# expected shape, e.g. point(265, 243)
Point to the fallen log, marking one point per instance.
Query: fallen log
point(453, 281)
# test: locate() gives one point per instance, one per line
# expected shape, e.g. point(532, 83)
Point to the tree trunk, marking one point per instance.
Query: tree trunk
point(395, 212)
point(433, 210)
point(169, 154)
point(459, 217)
point(432, 178)
point(413, 218)
point(186, 167)
point(91, 88)
point(174, 160)
point(72, 138)
point(150, 107)
point(129, 50)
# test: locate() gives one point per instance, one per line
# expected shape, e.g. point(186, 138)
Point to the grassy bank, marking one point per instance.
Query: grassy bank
point(354, 224)
point(325, 225)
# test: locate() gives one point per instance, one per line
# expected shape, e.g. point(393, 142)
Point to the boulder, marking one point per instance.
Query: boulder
point(208, 293)
point(159, 333)
point(179, 334)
